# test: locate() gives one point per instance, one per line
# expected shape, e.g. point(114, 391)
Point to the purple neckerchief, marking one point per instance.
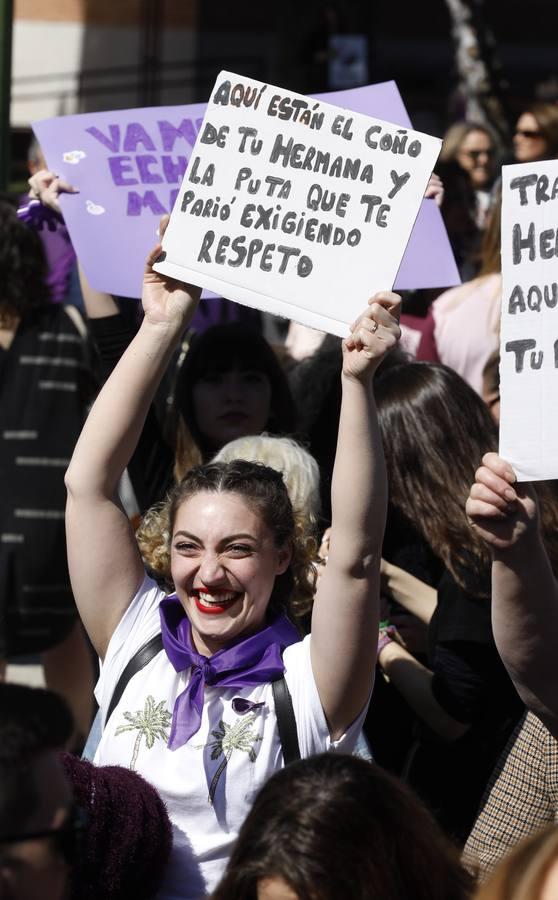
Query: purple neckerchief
point(57, 245)
point(248, 661)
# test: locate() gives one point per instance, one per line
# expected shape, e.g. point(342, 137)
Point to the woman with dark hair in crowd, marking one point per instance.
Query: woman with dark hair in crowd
point(536, 133)
point(230, 385)
point(337, 826)
point(45, 388)
point(434, 428)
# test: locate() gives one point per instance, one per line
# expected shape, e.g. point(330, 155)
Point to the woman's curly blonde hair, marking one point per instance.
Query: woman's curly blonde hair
point(270, 490)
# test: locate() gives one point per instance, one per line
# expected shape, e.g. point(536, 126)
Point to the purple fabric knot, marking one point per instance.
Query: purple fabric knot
point(208, 673)
point(245, 662)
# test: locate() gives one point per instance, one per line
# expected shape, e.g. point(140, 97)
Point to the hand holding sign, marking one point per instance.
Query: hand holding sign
point(372, 336)
point(166, 301)
point(502, 515)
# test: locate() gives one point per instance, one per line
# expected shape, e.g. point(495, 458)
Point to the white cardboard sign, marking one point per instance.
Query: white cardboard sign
point(294, 206)
point(529, 325)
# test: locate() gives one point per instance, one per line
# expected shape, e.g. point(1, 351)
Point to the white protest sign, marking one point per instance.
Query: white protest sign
point(294, 206)
point(529, 326)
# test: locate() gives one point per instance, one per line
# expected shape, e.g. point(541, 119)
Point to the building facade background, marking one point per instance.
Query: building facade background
point(74, 56)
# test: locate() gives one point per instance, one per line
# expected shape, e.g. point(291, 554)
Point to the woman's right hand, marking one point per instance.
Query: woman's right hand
point(47, 187)
point(165, 300)
point(502, 512)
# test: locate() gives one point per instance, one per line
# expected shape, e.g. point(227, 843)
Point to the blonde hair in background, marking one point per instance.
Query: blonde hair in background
point(297, 466)
point(302, 478)
point(521, 875)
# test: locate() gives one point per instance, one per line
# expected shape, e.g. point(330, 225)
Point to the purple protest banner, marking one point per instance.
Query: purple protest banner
point(129, 165)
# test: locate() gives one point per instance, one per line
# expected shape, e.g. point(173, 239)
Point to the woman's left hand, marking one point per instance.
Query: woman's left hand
point(373, 335)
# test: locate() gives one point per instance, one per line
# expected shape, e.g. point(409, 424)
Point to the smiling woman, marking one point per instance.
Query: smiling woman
point(201, 719)
point(227, 548)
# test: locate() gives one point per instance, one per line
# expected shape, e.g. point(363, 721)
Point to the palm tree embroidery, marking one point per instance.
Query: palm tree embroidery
point(151, 722)
point(228, 738)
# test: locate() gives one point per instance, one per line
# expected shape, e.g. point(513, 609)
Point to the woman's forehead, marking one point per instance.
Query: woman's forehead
point(225, 352)
point(528, 120)
point(476, 137)
point(227, 509)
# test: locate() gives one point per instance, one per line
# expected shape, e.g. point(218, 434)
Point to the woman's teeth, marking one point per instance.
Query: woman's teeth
point(210, 600)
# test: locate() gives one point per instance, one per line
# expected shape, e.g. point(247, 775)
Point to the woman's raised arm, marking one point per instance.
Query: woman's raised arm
point(105, 564)
point(524, 589)
point(345, 615)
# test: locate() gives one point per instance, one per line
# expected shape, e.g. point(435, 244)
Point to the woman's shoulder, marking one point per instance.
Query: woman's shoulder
point(140, 621)
point(137, 626)
point(294, 654)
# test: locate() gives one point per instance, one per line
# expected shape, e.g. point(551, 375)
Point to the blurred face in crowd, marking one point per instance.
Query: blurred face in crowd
point(34, 867)
point(528, 141)
point(476, 156)
point(231, 404)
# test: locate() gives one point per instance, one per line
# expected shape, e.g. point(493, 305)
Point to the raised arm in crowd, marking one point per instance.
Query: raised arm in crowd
point(524, 590)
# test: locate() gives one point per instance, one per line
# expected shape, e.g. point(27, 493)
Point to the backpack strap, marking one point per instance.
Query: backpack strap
point(286, 722)
point(140, 659)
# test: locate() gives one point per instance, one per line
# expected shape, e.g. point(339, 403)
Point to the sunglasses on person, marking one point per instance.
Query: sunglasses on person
point(528, 133)
point(475, 155)
point(68, 838)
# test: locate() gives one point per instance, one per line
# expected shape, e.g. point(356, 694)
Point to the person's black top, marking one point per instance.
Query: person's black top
point(46, 386)
point(472, 685)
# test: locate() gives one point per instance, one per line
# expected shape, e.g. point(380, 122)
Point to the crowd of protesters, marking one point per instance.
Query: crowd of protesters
point(297, 618)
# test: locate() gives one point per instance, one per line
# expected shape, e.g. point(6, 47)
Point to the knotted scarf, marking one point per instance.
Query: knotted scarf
point(248, 661)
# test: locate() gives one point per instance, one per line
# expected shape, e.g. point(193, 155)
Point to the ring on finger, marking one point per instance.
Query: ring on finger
point(374, 328)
